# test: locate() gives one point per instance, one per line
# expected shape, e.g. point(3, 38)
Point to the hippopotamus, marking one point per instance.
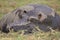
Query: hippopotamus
point(33, 13)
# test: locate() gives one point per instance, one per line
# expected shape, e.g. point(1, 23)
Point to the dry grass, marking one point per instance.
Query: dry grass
point(54, 35)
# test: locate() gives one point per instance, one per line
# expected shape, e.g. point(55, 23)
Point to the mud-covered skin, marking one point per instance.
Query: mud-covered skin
point(25, 14)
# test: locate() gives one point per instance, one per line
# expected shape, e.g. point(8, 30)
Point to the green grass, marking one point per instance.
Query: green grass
point(9, 5)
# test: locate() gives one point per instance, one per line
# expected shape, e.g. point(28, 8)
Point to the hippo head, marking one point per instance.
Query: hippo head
point(41, 13)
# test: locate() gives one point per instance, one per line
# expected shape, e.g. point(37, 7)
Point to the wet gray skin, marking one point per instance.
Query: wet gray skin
point(25, 15)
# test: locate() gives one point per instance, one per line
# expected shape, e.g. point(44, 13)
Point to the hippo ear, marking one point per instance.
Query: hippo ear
point(18, 12)
point(42, 16)
point(39, 16)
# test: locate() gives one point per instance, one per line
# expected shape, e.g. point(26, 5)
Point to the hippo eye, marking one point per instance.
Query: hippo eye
point(39, 16)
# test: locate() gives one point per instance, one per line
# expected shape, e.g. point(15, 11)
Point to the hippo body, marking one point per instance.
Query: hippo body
point(25, 14)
